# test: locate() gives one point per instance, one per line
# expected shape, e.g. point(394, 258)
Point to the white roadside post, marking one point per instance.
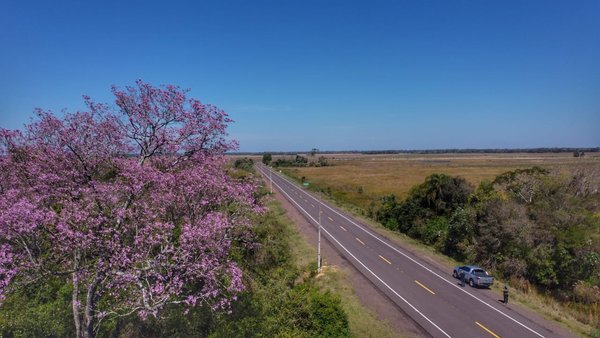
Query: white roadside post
point(271, 179)
point(319, 242)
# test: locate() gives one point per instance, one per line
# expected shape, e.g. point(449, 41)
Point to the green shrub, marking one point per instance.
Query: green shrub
point(38, 310)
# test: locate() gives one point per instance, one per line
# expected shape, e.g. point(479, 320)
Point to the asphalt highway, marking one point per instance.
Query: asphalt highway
point(432, 297)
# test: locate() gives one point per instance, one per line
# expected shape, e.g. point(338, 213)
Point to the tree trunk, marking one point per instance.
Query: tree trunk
point(75, 303)
point(91, 300)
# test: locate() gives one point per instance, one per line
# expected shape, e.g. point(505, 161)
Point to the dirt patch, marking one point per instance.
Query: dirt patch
point(369, 295)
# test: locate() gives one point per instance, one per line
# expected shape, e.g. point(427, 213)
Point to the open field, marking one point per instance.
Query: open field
point(362, 179)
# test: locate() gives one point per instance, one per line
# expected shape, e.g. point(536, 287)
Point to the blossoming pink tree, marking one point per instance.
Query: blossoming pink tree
point(130, 204)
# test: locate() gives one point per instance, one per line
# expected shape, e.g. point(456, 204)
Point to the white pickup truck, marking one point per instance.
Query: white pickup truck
point(474, 275)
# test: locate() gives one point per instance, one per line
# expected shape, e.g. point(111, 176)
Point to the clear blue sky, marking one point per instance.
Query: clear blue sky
point(335, 75)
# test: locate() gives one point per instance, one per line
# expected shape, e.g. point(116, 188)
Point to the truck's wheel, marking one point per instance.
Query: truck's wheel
point(454, 274)
point(471, 283)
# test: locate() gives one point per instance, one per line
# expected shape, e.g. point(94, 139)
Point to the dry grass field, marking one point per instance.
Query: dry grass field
point(362, 179)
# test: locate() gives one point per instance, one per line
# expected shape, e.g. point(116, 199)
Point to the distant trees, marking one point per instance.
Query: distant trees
point(298, 161)
point(301, 160)
point(245, 163)
point(322, 161)
point(479, 151)
point(267, 158)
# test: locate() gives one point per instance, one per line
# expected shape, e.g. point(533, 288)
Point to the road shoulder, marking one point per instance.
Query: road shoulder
point(367, 293)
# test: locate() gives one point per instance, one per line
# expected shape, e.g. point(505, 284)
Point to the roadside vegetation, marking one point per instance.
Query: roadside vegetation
point(283, 298)
point(538, 229)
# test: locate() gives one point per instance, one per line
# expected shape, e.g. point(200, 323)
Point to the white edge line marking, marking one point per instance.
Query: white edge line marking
point(414, 261)
point(362, 264)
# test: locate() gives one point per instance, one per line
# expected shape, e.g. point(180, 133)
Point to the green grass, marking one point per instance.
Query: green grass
point(363, 322)
point(303, 253)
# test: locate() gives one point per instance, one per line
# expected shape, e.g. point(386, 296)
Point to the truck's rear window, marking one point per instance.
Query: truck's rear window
point(478, 272)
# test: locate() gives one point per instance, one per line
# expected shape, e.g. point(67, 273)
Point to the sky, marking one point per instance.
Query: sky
point(332, 75)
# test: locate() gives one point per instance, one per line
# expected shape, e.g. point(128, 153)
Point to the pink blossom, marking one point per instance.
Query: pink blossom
point(133, 202)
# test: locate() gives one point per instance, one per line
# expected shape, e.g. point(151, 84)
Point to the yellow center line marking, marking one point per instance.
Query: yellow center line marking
point(343, 228)
point(424, 287)
point(359, 241)
point(380, 256)
point(488, 330)
point(329, 218)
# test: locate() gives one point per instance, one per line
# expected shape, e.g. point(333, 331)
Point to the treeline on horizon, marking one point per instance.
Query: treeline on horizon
point(435, 151)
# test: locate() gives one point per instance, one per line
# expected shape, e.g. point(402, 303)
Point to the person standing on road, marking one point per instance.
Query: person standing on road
point(505, 293)
point(462, 278)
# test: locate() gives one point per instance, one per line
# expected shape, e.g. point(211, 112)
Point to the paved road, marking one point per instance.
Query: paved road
point(432, 297)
